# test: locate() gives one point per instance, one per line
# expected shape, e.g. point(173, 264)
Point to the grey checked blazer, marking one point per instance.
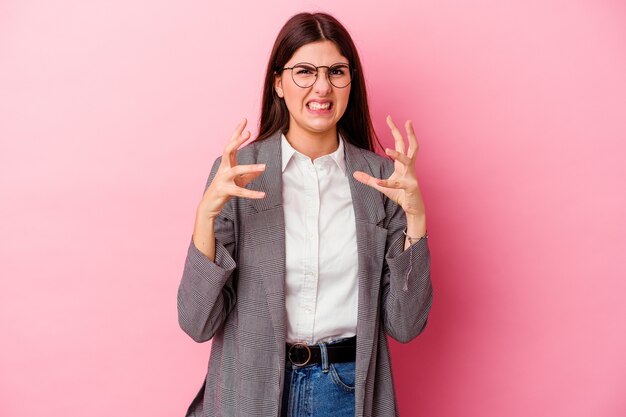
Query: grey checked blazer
point(238, 301)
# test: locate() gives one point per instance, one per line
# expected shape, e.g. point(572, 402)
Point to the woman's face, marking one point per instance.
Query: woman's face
point(316, 109)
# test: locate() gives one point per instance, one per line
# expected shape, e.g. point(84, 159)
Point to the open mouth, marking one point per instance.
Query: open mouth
point(314, 105)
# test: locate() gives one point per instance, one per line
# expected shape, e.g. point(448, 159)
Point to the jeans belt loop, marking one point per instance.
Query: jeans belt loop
point(324, 354)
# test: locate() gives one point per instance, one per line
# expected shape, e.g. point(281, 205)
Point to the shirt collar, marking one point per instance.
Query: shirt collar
point(338, 155)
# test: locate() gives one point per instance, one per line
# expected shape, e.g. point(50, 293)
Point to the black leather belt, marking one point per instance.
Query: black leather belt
point(301, 354)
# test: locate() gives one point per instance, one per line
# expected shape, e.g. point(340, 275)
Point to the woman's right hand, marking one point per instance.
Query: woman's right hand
point(230, 179)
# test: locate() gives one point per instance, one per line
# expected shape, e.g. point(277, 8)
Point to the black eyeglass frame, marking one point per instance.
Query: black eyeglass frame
point(350, 68)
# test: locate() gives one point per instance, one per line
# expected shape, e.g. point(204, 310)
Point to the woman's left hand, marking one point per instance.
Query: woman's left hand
point(402, 186)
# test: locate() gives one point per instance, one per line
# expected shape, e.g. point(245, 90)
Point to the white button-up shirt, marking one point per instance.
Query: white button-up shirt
point(321, 296)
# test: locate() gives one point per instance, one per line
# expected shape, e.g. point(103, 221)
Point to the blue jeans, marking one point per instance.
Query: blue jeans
point(319, 390)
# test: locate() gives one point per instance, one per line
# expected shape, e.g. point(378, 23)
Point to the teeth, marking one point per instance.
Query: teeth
point(317, 106)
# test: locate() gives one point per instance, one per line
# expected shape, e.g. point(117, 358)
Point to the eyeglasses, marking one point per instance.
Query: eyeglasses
point(304, 74)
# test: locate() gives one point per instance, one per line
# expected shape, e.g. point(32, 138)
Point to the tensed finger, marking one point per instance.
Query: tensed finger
point(397, 136)
point(238, 130)
point(245, 193)
point(390, 183)
point(413, 144)
point(245, 169)
point(230, 152)
point(367, 180)
point(398, 156)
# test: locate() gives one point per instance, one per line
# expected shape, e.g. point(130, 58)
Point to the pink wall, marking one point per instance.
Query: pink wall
point(111, 113)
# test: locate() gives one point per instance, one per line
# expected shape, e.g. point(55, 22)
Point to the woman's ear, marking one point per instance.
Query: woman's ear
point(278, 85)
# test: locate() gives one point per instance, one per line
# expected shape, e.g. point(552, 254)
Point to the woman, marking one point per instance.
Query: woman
point(303, 257)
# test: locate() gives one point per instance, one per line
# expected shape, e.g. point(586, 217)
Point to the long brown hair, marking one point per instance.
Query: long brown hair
point(355, 126)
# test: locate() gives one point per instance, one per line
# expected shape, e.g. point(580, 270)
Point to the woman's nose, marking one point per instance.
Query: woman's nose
point(322, 85)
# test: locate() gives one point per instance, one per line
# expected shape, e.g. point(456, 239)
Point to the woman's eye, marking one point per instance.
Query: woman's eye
point(305, 71)
point(336, 71)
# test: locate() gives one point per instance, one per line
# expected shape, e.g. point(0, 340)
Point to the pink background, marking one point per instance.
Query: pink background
point(111, 114)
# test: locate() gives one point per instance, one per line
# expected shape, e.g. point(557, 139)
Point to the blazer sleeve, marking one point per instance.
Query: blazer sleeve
point(206, 294)
point(404, 308)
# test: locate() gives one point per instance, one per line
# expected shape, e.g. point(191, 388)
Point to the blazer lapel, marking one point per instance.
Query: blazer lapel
point(271, 181)
point(270, 232)
point(367, 202)
point(371, 239)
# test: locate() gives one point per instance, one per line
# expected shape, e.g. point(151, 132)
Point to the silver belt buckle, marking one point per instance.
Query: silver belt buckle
point(307, 349)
